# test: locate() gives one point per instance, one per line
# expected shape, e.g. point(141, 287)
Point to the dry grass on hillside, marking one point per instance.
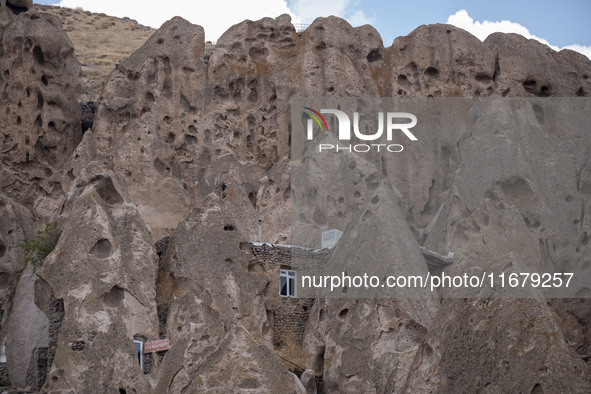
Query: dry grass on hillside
point(100, 42)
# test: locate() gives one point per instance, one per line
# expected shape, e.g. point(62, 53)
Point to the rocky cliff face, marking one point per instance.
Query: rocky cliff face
point(197, 148)
point(40, 130)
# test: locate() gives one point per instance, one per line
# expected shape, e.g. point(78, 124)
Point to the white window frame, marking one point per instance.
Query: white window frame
point(141, 355)
point(291, 287)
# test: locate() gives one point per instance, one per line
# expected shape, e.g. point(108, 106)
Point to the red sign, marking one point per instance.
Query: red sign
point(156, 346)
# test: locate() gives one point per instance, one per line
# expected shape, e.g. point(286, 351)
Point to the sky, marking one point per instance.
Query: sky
point(560, 24)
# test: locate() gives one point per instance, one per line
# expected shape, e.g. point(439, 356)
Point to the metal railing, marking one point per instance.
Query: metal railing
point(300, 27)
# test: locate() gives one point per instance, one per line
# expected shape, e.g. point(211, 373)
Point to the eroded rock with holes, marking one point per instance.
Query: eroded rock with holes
point(166, 113)
point(10, 8)
point(40, 117)
point(501, 345)
point(181, 114)
point(369, 345)
point(16, 227)
point(199, 150)
point(104, 269)
point(215, 323)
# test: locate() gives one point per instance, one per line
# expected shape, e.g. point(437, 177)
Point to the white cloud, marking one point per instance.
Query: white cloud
point(358, 18)
point(483, 29)
point(585, 50)
point(215, 16)
point(308, 10)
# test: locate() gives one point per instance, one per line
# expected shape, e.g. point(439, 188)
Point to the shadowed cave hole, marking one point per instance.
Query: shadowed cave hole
point(102, 249)
point(483, 77)
point(16, 9)
point(4, 279)
point(531, 86)
point(404, 82)
point(253, 199)
point(107, 191)
point(38, 55)
point(114, 298)
point(516, 188)
point(40, 101)
point(319, 362)
point(432, 72)
point(529, 83)
point(539, 112)
point(374, 56)
point(162, 168)
point(537, 389)
point(531, 223)
point(544, 91)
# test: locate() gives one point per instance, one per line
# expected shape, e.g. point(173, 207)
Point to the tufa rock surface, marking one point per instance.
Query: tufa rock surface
point(111, 299)
point(40, 120)
point(197, 148)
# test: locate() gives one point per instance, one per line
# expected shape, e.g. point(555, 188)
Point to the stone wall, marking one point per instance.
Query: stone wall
point(42, 357)
point(288, 314)
point(271, 256)
point(290, 321)
point(4, 379)
point(56, 316)
point(38, 367)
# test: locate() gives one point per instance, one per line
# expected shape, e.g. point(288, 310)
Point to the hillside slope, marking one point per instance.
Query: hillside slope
point(100, 41)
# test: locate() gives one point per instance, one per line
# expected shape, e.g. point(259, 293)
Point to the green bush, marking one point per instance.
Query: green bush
point(37, 249)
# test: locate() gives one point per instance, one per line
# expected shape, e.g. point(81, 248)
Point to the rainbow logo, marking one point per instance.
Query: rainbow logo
point(316, 115)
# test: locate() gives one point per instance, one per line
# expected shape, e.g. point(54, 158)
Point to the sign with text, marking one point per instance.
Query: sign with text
point(156, 346)
point(441, 197)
